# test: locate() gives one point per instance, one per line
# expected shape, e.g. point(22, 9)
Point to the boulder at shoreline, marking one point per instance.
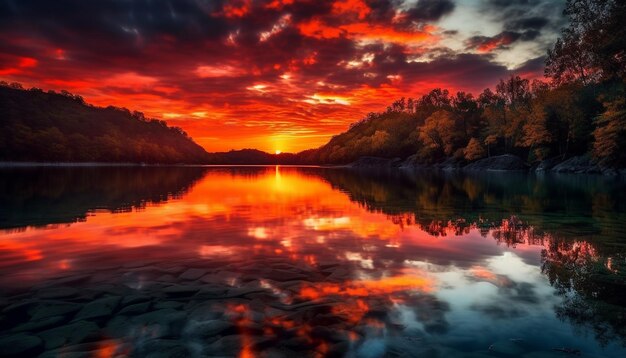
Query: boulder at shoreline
point(375, 163)
point(500, 162)
point(578, 165)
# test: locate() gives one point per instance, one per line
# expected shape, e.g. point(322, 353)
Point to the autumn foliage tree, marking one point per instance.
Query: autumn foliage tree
point(56, 127)
point(610, 133)
point(439, 132)
point(474, 150)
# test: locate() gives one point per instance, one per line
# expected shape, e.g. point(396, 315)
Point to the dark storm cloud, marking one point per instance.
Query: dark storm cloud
point(490, 43)
point(143, 35)
point(116, 20)
point(511, 3)
point(382, 10)
point(532, 18)
point(430, 10)
point(465, 70)
point(529, 23)
point(500, 41)
point(532, 66)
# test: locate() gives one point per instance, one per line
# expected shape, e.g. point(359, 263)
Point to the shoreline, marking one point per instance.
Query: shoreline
point(497, 164)
point(105, 164)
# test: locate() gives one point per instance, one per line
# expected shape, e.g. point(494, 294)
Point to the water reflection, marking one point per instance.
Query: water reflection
point(55, 195)
point(283, 261)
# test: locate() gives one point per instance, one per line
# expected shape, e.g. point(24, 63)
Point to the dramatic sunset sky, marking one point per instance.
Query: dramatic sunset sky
point(270, 74)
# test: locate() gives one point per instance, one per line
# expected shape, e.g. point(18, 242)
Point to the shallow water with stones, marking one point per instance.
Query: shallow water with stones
point(285, 261)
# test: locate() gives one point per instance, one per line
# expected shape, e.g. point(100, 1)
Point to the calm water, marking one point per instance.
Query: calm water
point(280, 261)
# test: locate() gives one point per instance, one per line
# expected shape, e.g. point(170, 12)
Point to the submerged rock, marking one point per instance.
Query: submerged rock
point(134, 309)
point(227, 345)
point(20, 345)
point(103, 307)
point(165, 348)
point(211, 328)
point(72, 333)
point(181, 290)
point(192, 274)
point(497, 163)
point(42, 324)
point(57, 292)
point(507, 348)
point(168, 304)
point(47, 309)
point(133, 299)
point(168, 322)
point(547, 354)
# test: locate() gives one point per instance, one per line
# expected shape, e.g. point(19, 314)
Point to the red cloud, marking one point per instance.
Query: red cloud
point(244, 73)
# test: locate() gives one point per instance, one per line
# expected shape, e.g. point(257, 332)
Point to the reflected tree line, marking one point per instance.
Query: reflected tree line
point(570, 205)
point(579, 220)
point(39, 196)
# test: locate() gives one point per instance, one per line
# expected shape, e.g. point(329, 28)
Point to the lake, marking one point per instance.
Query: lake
point(311, 262)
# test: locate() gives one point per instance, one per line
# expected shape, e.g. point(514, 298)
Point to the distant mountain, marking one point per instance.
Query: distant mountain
point(60, 127)
point(252, 157)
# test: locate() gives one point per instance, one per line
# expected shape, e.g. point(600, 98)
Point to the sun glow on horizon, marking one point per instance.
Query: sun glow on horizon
point(277, 152)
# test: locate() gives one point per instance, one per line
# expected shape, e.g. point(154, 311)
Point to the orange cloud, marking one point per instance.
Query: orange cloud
point(357, 7)
point(237, 8)
point(410, 280)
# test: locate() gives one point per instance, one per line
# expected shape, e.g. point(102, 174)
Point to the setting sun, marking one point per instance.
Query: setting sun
point(278, 152)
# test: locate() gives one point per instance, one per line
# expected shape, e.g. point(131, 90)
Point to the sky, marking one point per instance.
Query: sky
point(270, 74)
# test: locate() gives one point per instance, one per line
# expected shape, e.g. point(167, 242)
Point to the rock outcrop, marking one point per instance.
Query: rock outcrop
point(375, 163)
point(547, 164)
point(578, 165)
point(498, 163)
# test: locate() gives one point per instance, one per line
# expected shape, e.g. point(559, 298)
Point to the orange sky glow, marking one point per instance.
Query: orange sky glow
point(274, 75)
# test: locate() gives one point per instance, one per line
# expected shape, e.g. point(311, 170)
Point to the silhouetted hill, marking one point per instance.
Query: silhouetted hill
point(60, 127)
point(252, 157)
point(388, 135)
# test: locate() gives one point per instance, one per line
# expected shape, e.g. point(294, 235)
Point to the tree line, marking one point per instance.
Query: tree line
point(61, 127)
point(580, 109)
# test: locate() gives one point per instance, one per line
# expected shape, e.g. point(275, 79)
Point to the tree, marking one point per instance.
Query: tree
point(50, 126)
point(436, 98)
point(536, 134)
point(468, 112)
point(410, 105)
point(514, 103)
point(474, 150)
point(399, 105)
point(489, 141)
point(439, 132)
point(593, 46)
point(379, 139)
point(610, 133)
point(568, 61)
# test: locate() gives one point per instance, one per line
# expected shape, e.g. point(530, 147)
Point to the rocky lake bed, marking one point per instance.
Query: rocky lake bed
point(225, 309)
